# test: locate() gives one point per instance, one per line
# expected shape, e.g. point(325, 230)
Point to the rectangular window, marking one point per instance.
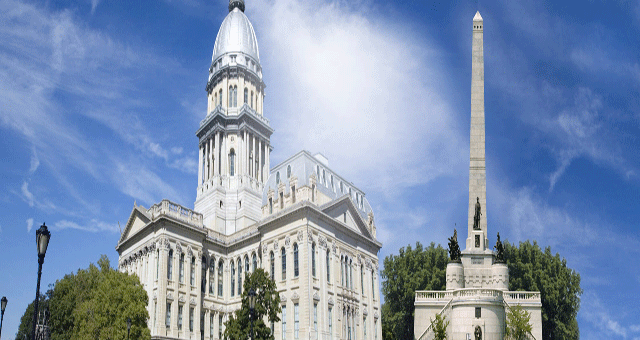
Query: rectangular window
point(191, 319)
point(210, 324)
point(273, 328)
point(364, 327)
point(155, 312)
point(284, 322)
point(181, 268)
point(296, 322)
point(179, 318)
point(220, 324)
point(478, 313)
point(193, 272)
point(293, 194)
point(373, 285)
point(375, 329)
point(330, 325)
point(315, 316)
point(167, 320)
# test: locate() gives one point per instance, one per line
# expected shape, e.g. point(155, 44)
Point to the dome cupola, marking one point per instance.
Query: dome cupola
point(236, 40)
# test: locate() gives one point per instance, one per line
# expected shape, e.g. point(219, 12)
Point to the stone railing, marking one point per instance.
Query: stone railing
point(444, 296)
point(246, 108)
point(176, 211)
point(210, 115)
point(522, 296)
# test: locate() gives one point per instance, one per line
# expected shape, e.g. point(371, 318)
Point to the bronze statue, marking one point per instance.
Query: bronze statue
point(499, 251)
point(454, 248)
point(476, 217)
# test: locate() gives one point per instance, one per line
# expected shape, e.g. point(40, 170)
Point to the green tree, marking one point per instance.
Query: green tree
point(518, 326)
point(267, 305)
point(531, 269)
point(412, 269)
point(26, 321)
point(439, 326)
point(95, 304)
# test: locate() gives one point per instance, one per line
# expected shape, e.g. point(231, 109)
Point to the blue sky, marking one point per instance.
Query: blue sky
point(100, 100)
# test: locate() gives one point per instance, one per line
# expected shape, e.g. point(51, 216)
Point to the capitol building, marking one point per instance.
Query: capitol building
point(312, 230)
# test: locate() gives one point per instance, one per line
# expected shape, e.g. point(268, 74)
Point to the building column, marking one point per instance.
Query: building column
point(223, 155)
point(267, 156)
point(216, 159)
point(255, 157)
point(260, 161)
point(200, 157)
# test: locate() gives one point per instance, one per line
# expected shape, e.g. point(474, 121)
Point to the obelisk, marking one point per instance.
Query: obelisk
point(477, 170)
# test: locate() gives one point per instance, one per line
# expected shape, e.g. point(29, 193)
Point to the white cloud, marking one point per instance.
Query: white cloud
point(35, 162)
point(26, 194)
point(29, 224)
point(94, 4)
point(599, 315)
point(93, 226)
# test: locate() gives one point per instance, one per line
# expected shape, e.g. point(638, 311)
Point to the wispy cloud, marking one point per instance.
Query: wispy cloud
point(29, 224)
point(35, 162)
point(92, 226)
point(94, 5)
point(26, 194)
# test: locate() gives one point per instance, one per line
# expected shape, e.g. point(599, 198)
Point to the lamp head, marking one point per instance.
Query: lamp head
point(252, 298)
point(42, 240)
point(3, 303)
point(128, 324)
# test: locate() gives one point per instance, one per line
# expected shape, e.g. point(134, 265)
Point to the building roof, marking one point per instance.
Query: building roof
point(236, 35)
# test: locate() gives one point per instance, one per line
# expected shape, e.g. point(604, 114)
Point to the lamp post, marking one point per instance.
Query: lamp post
point(42, 241)
point(252, 305)
point(128, 327)
point(3, 304)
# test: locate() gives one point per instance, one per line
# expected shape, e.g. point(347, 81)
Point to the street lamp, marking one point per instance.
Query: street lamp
point(3, 304)
point(252, 305)
point(128, 327)
point(42, 241)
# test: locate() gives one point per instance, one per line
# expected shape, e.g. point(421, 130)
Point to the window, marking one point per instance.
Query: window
point(210, 324)
point(220, 278)
point(212, 275)
point(313, 259)
point(232, 163)
point(277, 177)
point(203, 277)
point(362, 279)
point(284, 322)
point(230, 104)
point(270, 205)
point(220, 96)
point(215, 96)
point(239, 277)
point(313, 193)
point(293, 194)
point(157, 262)
point(220, 324)
point(324, 177)
point(346, 272)
point(341, 270)
point(284, 263)
point(296, 270)
point(478, 313)
point(332, 187)
point(167, 320)
point(181, 264)
point(315, 316)
point(296, 321)
point(288, 171)
point(341, 188)
point(252, 108)
point(328, 267)
point(191, 319)
point(273, 328)
point(375, 329)
point(246, 95)
point(233, 278)
point(155, 312)
point(255, 261)
point(170, 265)
point(246, 266)
point(351, 273)
point(281, 200)
point(330, 325)
point(193, 271)
point(373, 289)
point(273, 266)
point(180, 317)
point(364, 327)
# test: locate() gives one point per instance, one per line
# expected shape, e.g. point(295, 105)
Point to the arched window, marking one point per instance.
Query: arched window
point(373, 285)
point(157, 262)
point(362, 279)
point(192, 280)
point(332, 187)
point(272, 266)
point(181, 268)
point(239, 277)
point(233, 278)
point(341, 188)
point(328, 267)
point(277, 177)
point(313, 259)
point(341, 270)
point(246, 266)
point(324, 178)
point(296, 270)
point(230, 96)
point(318, 171)
point(203, 276)
point(212, 275)
point(255, 261)
point(252, 99)
point(351, 273)
point(170, 265)
point(220, 96)
point(288, 171)
point(232, 162)
point(220, 278)
point(284, 263)
point(215, 96)
point(246, 95)
point(235, 96)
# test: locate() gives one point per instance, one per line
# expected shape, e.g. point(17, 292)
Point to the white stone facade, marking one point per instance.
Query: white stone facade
point(476, 298)
point(309, 228)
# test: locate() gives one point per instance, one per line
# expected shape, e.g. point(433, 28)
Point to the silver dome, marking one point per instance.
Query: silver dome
point(236, 35)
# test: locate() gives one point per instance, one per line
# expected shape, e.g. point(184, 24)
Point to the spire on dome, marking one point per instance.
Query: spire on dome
point(236, 3)
point(477, 17)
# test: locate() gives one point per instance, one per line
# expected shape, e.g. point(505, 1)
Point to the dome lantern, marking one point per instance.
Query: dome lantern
point(236, 4)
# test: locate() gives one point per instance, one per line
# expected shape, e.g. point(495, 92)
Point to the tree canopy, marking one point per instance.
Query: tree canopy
point(95, 303)
point(518, 326)
point(530, 269)
point(267, 305)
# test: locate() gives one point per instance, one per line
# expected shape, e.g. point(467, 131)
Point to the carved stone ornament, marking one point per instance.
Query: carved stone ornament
point(375, 315)
point(322, 242)
point(287, 242)
point(365, 312)
point(182, 299)
point(283, 298)
point(169, 296)
point(189, 251)
point(316, 297)
point(178, 248)
point(275, 244)
point(335, 248)
point(330, 301)
point(300, 236)
point(369, 265)
point(167, 244)
point(310, 235)
point(295, 297)
point(264, 249)
point(192, 302)
point(155, 295)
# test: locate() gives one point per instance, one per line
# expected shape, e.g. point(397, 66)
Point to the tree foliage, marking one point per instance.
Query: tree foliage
point(26, 321)
point(412, 269)
point(95, 303)
point(267, 306)
point(518, 326)
point(439, 326)
point(530, 269)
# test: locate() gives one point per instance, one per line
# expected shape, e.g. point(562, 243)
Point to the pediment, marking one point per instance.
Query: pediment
point(344, 211)
point(137, 221)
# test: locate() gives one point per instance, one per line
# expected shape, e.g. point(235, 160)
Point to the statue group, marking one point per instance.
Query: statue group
point(454, 248)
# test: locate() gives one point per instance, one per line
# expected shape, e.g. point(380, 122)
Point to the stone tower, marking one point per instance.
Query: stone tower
point(234, 137)
point(477, 238)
